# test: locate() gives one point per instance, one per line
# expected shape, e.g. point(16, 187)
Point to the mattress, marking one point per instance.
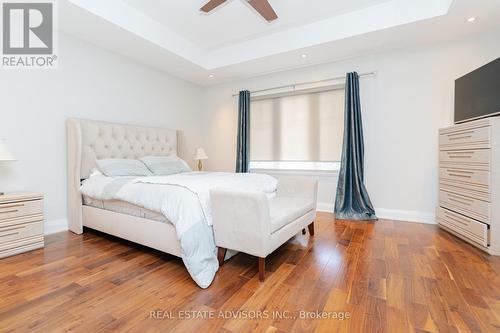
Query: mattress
point(123, 207)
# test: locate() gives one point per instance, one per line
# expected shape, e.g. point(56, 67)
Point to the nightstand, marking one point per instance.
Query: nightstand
point(21, 223)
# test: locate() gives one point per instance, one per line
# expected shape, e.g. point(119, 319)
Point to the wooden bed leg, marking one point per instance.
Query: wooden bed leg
point(304, 231)
point(262, 269)
point(311, 229)
point(221, 254)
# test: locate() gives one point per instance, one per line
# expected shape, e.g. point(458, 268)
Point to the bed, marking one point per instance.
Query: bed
point(169, 213)
point(88, 140)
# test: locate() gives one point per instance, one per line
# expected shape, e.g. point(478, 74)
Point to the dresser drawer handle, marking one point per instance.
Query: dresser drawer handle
point(9, 211)
point(13, 228)
point(457, 175)
point(461, 133)
point(456, 198)
point(453, 218)
point(460, 197)
point(460, 171)
point(459, 201)
point(11, 234)
point(11, 206)
point(463, 156)
point(461, 137)
point(460, 152)
point(14, 208)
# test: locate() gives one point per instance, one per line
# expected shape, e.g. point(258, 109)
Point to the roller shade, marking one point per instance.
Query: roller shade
point(300, 127)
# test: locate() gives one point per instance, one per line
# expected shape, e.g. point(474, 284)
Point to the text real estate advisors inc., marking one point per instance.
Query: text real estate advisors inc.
point(248, 314)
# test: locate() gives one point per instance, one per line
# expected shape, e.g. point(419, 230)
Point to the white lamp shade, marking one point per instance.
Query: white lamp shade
point(5, 154)
point(200, 154)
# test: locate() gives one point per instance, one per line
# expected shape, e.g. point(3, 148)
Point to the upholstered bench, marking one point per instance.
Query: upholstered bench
point(249, 222)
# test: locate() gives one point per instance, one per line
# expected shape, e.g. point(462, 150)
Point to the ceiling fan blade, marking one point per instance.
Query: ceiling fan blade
point(264, 9)
point(212, 4)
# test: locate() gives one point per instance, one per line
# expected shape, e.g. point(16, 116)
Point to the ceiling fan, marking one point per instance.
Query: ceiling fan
point(261, 6)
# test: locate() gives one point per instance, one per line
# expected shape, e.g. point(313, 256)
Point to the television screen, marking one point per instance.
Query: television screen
point(477, 94)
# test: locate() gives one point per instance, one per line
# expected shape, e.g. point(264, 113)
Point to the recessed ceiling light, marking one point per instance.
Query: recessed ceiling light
point(303, 56)
point(211, 75)
point(471, 19)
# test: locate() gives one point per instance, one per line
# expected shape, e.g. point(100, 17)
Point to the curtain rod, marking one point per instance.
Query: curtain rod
point(310, 82)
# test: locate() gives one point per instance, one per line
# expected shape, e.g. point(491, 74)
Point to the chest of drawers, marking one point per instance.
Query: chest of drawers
point(21, 223)
point(469, 182)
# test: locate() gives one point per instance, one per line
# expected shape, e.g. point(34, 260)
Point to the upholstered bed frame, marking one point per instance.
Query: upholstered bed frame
point(89, 140)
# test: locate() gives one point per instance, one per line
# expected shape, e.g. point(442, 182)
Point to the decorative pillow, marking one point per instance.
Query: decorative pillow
point(165, 165)
point(113, 167)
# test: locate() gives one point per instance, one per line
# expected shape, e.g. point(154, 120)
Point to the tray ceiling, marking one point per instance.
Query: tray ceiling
point(233, 42)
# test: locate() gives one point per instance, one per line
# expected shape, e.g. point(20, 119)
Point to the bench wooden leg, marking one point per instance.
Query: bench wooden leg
point(311, 229)
point(221, 254)
point(262, 269)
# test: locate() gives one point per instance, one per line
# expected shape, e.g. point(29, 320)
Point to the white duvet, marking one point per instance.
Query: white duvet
point(200, 184)
point(184, 199)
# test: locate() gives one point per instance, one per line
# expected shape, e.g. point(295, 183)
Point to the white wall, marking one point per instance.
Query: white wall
point(89, 83)
point(404, 105)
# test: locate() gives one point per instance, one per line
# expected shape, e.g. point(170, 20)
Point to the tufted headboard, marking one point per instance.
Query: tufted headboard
point(89, 140)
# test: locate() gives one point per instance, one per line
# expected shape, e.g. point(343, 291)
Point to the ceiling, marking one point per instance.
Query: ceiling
point(236, 21)
point(233, 42)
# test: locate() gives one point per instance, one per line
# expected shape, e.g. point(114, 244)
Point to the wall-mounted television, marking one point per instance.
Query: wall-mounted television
point(477, 94)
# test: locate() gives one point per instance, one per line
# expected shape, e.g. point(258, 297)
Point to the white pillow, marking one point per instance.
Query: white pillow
point(165, 165)
point(95, 172)
point(113, 167)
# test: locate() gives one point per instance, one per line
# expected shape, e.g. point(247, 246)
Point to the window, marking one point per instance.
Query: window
point(297, 132)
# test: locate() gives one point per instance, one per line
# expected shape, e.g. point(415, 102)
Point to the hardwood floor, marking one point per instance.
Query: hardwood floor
point(385, 276)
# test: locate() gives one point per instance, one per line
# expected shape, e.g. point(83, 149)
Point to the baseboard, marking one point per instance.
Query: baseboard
point(390, 214)
point(53, 226)
point(406, 215)
point(324, 207)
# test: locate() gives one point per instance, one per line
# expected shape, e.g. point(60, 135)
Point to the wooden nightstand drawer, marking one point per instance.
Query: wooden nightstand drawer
point(21, 222)
point(18, 209)
point(15, 232)
point(21, 245)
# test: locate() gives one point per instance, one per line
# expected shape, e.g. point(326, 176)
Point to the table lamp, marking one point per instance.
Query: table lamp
point(5, 154)
point(200, 156)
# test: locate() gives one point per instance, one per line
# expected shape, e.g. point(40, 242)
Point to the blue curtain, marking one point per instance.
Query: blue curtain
point(243, 140)
point(352, 201)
